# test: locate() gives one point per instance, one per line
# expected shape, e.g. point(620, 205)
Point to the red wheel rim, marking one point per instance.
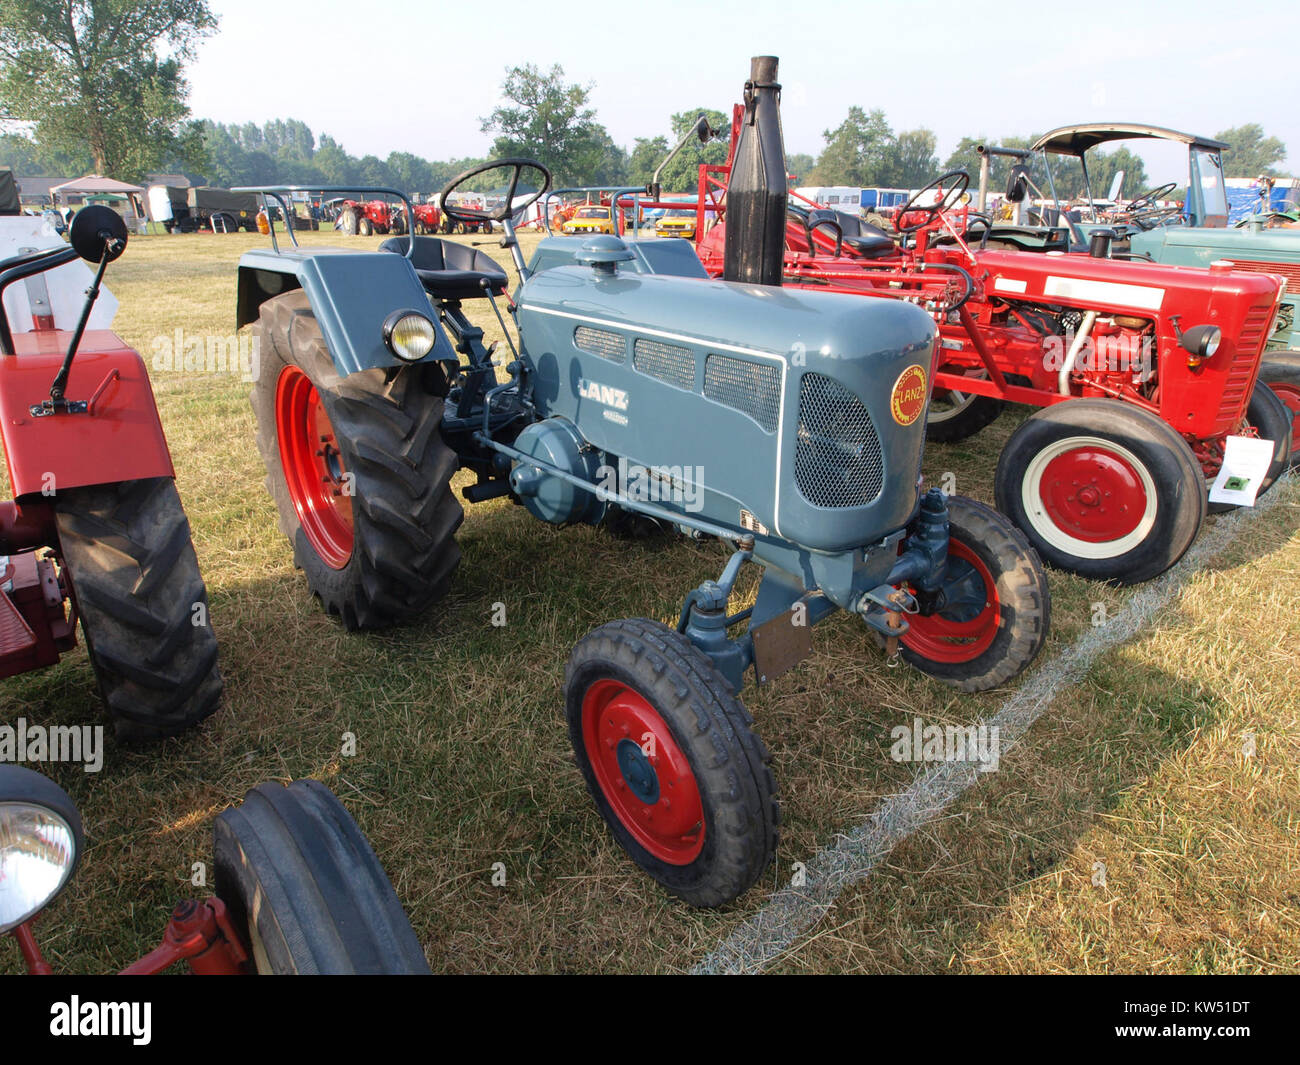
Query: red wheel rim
point(970, 627)
point(313, 468)
point(1093, 494)
point(642, 772)
point(1289, 394)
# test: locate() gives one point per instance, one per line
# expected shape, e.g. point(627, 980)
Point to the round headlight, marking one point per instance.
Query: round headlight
point(40, 837)
point(1202, 340)
point(409, 335)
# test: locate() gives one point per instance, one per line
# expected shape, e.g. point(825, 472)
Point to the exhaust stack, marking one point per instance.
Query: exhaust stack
point(756, 191)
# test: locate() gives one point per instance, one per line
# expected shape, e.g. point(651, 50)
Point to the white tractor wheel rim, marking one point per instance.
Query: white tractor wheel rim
point(1031, 498)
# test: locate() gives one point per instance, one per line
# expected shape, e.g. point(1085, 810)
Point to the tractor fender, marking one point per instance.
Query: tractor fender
point(119, 439)
point(351, 294)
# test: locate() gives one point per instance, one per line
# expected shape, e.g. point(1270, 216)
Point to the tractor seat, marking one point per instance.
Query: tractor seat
point(871, 242)
point(450, 271)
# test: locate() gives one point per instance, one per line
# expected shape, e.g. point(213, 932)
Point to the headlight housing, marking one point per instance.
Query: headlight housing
point(40, 842)
point(409, 335)
point(1201, 340)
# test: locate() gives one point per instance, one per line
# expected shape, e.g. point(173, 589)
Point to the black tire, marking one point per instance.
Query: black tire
point(1280, 370)
point(954, 416)
point(386, 424)
point(697, 714)
point(1005, 626)
point(304, 887)
point(365, 227)
point(1126, 441)
point(1268, 416)
point(349, 223)
point(136, 583)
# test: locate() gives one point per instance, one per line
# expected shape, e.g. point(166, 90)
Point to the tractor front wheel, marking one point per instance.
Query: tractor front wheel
point(1268, 417)
point(954, 415)
point(993, 611)
point(142, 604)
point(670, 756)
point(1103, 489)
point(304, 888)
point(1280, 370)
point(365, 227)
point(358, 471)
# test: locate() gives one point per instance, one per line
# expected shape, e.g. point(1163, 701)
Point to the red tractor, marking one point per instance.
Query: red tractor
point(1143, 372)
point(95, 533)
point(364, 217)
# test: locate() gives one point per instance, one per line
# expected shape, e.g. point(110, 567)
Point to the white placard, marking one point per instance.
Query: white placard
point(65, 285)
point(1246, 460)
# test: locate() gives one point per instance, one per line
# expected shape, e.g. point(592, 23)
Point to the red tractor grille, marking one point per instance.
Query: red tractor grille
point(1245, 362)
point(1291, 271)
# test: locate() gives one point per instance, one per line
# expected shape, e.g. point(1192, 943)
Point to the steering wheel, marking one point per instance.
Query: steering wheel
point(946, 202)
point(1147, 200)
point(507, 207)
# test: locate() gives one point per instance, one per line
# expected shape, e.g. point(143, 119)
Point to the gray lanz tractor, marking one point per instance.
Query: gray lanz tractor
point(787, 424)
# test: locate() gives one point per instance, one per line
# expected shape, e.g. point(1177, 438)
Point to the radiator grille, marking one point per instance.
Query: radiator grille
point(600, 342)
point(752, 388)
point(1236, 384)
point(1291, 271)
point(667, 362)
point(837, 459)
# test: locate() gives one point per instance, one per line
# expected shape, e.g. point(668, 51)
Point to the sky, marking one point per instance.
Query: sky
point(401, 75)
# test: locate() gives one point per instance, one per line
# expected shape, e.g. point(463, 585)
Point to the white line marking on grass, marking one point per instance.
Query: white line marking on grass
point(791, 912)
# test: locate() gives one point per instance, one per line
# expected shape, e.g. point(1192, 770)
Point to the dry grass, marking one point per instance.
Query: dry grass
point(463, 759)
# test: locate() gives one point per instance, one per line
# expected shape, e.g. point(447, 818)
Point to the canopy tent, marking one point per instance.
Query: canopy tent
point(93, 184)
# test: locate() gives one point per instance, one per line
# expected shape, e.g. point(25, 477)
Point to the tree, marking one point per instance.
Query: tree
point(549, 120)
point(647, 154)
point(910, 161)
point(800, 164)
point(1251, 154)
point(856, 150)
point(103, 77)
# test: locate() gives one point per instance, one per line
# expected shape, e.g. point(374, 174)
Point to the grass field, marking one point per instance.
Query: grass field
point(463, 760)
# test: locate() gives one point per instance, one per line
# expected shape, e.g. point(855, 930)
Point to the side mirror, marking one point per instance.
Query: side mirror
point(1017, 184)
point(98, 232)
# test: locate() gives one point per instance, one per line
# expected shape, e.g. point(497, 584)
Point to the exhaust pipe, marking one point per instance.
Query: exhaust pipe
point(756, 192)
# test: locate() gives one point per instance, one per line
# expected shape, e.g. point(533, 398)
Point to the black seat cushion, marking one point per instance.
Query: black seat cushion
point(862, 238)
point(450, 271)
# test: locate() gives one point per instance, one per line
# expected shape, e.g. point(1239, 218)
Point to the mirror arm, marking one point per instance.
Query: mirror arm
point(92, 294)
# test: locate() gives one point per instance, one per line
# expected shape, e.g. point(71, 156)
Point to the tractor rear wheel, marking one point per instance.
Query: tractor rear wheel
point(1280, 370)
point(302, 884)
point(1103, 489)
point(142, 604)
point(670, 756)
point(954, 415)
point(348, 222)
point(358, 471)
point(994, 607)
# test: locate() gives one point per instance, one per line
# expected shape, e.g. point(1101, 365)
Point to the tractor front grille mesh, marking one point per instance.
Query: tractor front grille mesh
point(753, 388)
point(665, 361)
point(600, 342)
point(837, 460)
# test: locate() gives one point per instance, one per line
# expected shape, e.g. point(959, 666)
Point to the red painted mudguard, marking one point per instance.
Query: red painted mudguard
point(119, 439)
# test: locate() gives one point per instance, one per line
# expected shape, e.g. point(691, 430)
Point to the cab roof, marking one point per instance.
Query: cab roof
point(1076, 140)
